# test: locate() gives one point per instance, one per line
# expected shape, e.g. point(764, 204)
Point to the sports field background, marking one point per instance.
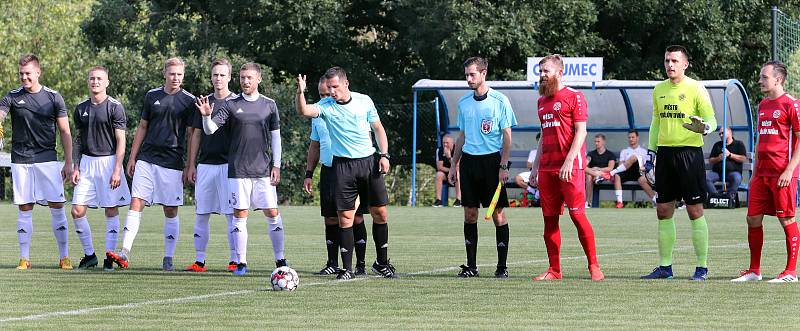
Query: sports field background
point(426, 247)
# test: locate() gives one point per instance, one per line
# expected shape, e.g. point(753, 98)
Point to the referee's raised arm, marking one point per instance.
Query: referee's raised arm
point(304, 109)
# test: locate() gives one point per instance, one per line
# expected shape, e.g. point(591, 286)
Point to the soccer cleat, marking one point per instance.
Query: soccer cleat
point(65, 263)
point(241, 269)
point(196, 267)
point(88, 261)
point(468, 272)
point(457, 203)
point(604, 176)
point(231, 266)
point(747, 276)
point(329, 270)
point(700, 273)
point(784, 277)
point(166, 264)
point(501, 272)
point(660, 272)
point(281, 263)
point(437, 203)
point(24, 264)
point(550, 274)
point(595, 272)
point(385, 270)
point(619, 205)
point(681, 205)
point(345, 275)
point(118, 259)
point(108, 265)
point(361, 270)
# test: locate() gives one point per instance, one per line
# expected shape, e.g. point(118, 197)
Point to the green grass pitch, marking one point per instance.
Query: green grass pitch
point(426, 247)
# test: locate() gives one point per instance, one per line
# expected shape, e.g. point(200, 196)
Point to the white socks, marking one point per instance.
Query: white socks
point(620, 168)
point(84, 234)
point(112, 233)
point(201, 233)
point(231, 239)
point(276, 235)
point(171, 230)
point(618, 194)
point(24, 231)
point(130, 230)
point(58, 221)
point(240, 238)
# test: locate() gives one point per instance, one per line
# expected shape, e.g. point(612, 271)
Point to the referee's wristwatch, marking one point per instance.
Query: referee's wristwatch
point(505, 166)
point(386, 156)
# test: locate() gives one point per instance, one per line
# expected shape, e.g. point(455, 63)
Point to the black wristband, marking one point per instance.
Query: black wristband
point(309, 174)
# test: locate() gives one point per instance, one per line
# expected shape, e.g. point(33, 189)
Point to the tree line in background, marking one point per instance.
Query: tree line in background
point(386, 46)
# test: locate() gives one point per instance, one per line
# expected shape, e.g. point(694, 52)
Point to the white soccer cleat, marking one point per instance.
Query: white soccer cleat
point(747, 276)
point(784, 277)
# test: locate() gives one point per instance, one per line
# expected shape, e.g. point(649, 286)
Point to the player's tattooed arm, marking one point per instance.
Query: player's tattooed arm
point(76, 157)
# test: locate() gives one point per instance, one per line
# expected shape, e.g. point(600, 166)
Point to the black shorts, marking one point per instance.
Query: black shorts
point(327, 194)
point(478, 176)
point(358, 178)
point(630, 174)
point(680, 174)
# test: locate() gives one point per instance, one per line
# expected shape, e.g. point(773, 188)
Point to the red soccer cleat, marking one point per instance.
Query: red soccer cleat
point(548, 275)
point(619, 205)
point(232, 266)
point(119, 260)
point(594, 271)
point(194, 267)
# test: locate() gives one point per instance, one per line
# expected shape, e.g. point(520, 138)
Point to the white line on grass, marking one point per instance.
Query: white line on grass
point(241, 292)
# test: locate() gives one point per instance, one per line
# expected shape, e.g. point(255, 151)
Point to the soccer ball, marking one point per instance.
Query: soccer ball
point(284, 279)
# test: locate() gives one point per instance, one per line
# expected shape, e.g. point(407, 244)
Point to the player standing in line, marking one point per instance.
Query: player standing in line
point(559, 165)
point(36, 113)
point(485, 118)
point(319, 151)
point(682, 115)
point(210, 177)
point(156, 161)
point(254, 127)
point(98, 177)
point(349, 116)
point(774, 185)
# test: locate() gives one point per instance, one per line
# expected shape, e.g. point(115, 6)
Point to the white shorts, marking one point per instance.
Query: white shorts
point(211, 194)
point(37, 183)
point(255, 193)
point(157, 185)
point(94, 189)
point(526, 176)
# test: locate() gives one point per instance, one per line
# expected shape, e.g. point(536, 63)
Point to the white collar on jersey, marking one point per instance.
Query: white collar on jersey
point(251, 98)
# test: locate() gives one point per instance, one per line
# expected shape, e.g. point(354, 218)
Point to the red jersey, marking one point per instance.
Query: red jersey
point(558, 115)
point(778, 121)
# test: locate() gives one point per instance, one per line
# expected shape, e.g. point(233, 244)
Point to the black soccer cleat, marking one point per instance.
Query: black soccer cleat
point(361, 269)
point(345, 275)
point(108, 265)
point(385, 270)
point(88, 261)
point(468, 272)
point(281, 263)
point(501, 272)
point(329, 270)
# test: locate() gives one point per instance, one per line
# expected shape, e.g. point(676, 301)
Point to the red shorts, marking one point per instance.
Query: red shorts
point(554, 193)
point(766, 198)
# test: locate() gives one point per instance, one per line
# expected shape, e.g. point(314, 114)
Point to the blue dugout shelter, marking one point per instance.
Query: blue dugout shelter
point(615, 106)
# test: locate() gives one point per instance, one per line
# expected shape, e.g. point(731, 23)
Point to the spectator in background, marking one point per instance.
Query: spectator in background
point(599, 160)
point(443, 166)
point(522, 178)
point(630, 168)
point(735, 154)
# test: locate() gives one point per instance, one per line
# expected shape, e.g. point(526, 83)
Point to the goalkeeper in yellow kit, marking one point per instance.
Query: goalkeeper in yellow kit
point(682, 115)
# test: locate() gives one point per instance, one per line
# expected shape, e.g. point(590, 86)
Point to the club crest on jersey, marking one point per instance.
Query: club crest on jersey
point(682, 97)
point(486, 126)
point(557, 106)
point(776, 114)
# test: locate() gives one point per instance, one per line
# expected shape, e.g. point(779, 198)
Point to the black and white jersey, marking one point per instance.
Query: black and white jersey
point(213, 148)
point(33, 123)
point(96, 124)
point(249, 124)
point(167, 116)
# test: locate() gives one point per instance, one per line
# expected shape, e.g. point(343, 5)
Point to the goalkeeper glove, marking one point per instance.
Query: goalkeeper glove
point(650, 164)
point(697, 125)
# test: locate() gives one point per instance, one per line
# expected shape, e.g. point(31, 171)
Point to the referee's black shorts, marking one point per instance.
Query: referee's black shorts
point(479, 177)
point(358, 177)
point(680, 174)
point(327, 194)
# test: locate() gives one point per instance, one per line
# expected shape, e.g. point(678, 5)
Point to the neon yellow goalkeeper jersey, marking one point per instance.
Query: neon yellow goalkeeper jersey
point(673, 104)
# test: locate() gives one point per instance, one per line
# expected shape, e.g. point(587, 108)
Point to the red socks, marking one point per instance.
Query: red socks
point(791, 247)
point(552, 240)
point(755, 239)
point(586, 236)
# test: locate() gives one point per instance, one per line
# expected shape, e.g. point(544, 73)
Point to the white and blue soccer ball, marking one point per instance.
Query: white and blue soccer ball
point(284, 279)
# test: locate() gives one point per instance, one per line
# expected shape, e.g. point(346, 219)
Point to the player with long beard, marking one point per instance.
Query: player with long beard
point(559, 165)
point(774, 185)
